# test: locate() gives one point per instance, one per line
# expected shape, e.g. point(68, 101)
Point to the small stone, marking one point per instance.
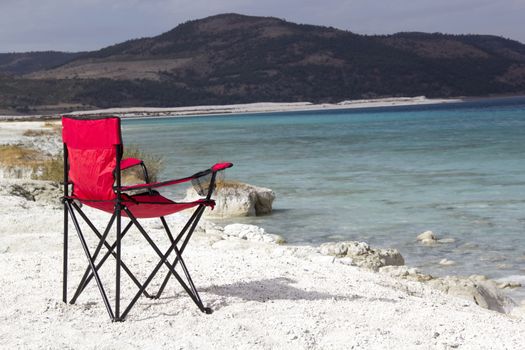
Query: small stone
point(446, 262)
point(362, 255)
point(427, 235)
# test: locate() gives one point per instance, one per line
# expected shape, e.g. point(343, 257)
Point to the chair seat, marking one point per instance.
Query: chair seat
point(147, 205)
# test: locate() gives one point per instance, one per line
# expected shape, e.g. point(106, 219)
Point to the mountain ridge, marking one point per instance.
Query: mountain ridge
point(232, 58)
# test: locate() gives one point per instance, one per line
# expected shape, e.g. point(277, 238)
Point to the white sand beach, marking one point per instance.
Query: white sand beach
point(248, 108)
point(264, 295)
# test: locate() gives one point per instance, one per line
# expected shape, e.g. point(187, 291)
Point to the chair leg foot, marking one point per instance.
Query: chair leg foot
point(207, 310)
point(118, 319)
point(150, 296)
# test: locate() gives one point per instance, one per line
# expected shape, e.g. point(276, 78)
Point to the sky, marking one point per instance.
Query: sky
point(82, 25)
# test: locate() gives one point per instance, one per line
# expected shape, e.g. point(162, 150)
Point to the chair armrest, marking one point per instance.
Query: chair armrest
point(217, 167)
point(221, 166)
point(156, 184)
point(129, 162)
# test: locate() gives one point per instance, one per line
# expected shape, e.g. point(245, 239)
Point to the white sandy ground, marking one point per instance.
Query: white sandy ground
point(261, 107)
point(12, 132)
point(264, 297)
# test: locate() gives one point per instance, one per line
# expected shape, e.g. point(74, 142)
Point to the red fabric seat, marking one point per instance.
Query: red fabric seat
point(148, 205)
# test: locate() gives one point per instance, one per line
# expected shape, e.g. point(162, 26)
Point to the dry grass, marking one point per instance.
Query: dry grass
point(43, 168)
point(222, 183)
point(52, 168)
point(54, 126)
point(15, 155)
point(135, 174)
point(37, 133)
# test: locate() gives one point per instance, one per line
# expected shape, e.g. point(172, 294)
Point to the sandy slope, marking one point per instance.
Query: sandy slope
point(264, 297)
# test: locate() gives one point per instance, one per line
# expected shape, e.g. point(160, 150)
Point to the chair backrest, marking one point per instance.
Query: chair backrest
point(92, 149)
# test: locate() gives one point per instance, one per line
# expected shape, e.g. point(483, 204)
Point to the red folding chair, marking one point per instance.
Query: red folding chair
point(92, 167)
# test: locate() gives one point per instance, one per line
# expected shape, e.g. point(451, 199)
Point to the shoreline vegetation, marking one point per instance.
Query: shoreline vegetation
point(265, 294)
point(248, 108)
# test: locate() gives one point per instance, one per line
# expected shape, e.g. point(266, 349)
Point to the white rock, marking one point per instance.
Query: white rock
point(427, 235)
point(446, 262)
point(362, 255)
point(251, 233)
point(428, 241)
point(484, 293)
point(405, 272)
point(238, 199)
point(427, 238)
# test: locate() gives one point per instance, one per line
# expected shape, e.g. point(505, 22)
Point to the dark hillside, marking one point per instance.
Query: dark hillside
point(233, 58)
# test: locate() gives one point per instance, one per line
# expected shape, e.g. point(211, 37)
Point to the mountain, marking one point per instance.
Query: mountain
point(28, 62)
point(233, 58)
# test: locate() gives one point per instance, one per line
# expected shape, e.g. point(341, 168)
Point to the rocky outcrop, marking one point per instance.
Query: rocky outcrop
point(479, 289)
point(32, 190)
point(362, 255)
point(235, 199)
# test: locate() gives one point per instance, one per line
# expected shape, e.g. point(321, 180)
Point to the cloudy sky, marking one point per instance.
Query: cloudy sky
point(75, 25)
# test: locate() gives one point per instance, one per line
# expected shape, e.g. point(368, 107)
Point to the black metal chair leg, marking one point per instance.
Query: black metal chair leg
point(91, 264)
point(118, 264)
point(83, 282)
point(175, 241)
point(65, 256)
point(194, 297)
point(110, 249)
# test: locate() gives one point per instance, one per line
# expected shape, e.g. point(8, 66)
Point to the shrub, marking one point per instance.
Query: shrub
point(153, 163)
point(17, 155)
point(41, 167)
point(51, 170)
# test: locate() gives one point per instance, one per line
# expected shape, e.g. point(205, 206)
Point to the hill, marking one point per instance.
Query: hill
point(233, 58)
point(28, 62)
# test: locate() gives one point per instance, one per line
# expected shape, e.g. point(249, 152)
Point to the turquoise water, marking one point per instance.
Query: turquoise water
point(380, 175)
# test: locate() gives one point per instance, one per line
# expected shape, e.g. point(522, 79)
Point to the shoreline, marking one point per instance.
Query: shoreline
point(256, 108)
point(234, 109)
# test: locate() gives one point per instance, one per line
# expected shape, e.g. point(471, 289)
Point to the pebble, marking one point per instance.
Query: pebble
point(426, 236)
point(446, 262)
